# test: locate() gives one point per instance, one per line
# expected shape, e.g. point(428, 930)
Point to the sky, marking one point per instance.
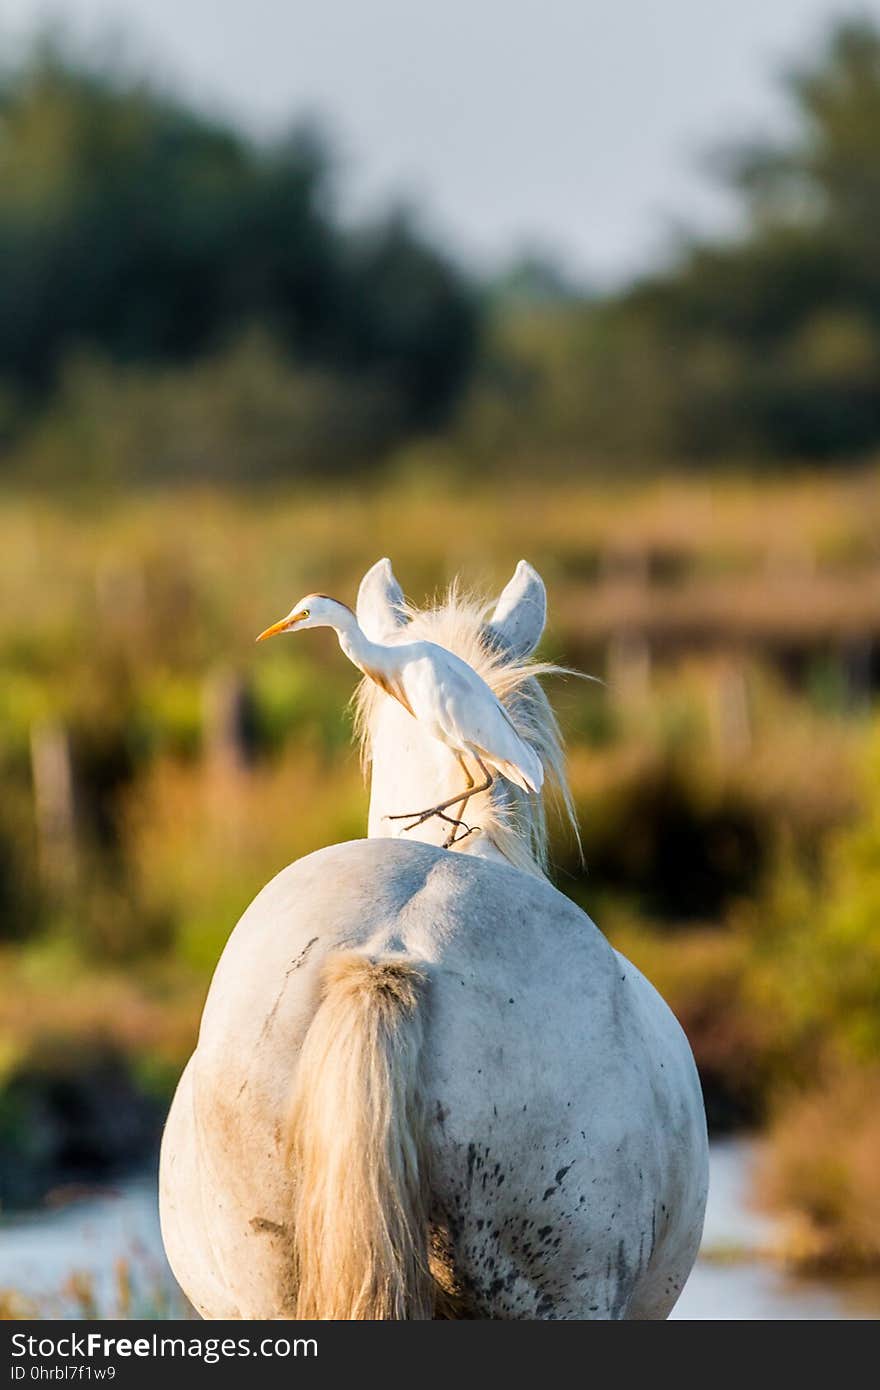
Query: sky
point(575, 127)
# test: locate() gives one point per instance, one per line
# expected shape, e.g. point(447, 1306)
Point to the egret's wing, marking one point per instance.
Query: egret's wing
point(473, 716)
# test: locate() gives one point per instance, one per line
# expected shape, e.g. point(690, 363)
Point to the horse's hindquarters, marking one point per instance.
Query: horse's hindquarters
point(569, 1141)
point(184, 1231)
point(564, 1127)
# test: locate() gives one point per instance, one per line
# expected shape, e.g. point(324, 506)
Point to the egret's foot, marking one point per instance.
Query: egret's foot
point(422, 816)
point(453, 839)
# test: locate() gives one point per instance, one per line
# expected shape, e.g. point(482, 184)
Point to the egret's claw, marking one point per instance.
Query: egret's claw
point(454, 839)
point(422, 816)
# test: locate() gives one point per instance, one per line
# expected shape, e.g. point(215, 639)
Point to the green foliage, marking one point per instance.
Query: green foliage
point(678, 850)
point(245, 415)
point(22, 908)
point(764, 346)
point(824, 954)
point(178, 301)
point(136, 231)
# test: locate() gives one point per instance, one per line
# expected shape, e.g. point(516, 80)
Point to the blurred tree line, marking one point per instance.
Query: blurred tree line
point(177, 300)
point(762, 346)
point(139, 234)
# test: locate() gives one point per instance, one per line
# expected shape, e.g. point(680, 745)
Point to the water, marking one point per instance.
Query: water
point(110, 1243)
point(750, 1288)
point(101, 1256)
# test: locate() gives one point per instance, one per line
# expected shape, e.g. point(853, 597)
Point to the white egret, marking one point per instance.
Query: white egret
point(452, 703)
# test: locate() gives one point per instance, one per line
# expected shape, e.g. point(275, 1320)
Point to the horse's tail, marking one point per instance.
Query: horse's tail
point(358, 1142)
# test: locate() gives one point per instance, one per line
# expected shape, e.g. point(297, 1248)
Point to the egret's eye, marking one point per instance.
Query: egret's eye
point(304, 613)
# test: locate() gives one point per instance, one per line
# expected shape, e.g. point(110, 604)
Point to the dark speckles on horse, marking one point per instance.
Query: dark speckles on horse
point(471, 1162)
point(264, 1227)
point(626, 1277)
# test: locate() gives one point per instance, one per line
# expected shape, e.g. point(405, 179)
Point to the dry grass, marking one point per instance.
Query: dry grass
point(821, 1169)
point(809, 548)
point(202, 842)
point(50, 998)
point(690, 596)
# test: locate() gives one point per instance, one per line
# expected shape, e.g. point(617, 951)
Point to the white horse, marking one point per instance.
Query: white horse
point(425, 1085)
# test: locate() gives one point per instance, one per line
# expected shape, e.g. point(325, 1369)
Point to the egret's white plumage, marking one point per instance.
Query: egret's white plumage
point(457, 708)
point(408, 768)
point(446, 695)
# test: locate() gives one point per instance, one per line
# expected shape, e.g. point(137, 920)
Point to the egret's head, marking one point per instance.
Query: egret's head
point(315, 610)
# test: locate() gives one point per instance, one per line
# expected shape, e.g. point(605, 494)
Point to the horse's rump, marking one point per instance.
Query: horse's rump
point(533, 1099)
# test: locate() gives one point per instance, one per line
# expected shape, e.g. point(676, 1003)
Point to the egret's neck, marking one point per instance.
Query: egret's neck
point(366, 655)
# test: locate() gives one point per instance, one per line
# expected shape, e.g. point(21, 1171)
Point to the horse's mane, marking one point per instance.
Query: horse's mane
point(516, 821)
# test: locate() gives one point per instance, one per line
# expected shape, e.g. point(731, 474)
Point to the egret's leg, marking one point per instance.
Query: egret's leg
point(419, 817)
point(433, 810)
point(450, 800)
point(472, 791)
point(460, 808)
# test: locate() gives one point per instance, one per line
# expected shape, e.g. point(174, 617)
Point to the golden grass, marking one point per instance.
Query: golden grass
point(821, 1170)
point(215, 564)
point(232, 832)
point(51, 999)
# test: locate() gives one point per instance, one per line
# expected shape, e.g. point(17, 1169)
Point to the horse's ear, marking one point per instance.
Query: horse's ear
point(380, 602)
point(520, 613)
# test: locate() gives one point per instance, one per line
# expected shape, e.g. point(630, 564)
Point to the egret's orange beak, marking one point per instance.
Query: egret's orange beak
point(284, 626)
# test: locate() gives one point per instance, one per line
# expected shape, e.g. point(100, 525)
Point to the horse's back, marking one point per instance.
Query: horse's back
point(566, 1130)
